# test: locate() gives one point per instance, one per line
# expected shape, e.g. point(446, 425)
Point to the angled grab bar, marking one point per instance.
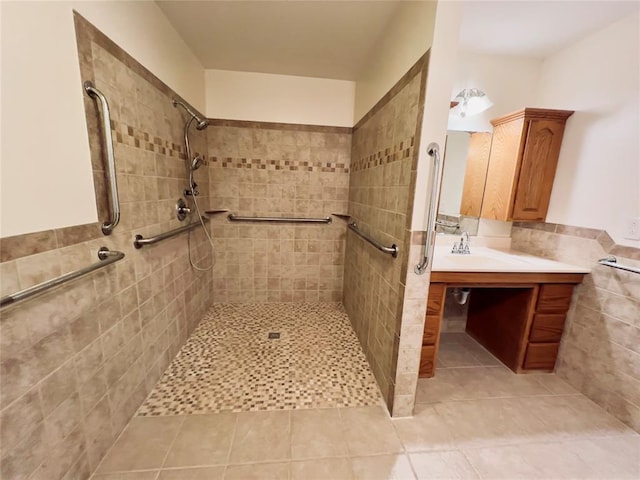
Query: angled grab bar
point(238, 218)
point(433, 150)
point(612, 261)
point(140, 241)
point(392, 250)
point(93, 92)
point(106, 257)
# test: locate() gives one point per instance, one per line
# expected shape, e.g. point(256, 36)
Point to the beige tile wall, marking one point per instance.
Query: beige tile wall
point(273, 170)
point(76, 363)
point(600, 349)
point(380, 201)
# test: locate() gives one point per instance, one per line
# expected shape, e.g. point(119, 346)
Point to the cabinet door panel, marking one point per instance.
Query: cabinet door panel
point(541, 356)
point(504, 162)
point(547, 327)
point(538, 169)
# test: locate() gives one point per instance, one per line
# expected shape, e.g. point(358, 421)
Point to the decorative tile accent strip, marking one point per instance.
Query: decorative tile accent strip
point(134, 137)
point(229, 363)
point(388, 155)
point(291, 165)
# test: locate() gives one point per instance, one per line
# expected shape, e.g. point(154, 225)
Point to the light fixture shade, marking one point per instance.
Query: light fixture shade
point(471, 101)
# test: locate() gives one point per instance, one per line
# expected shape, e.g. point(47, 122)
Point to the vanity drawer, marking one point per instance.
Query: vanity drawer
point(431, 328)
point(541, 356)
point(435, 301)
point(554, 298)
point(427, 361)
point(547, 327)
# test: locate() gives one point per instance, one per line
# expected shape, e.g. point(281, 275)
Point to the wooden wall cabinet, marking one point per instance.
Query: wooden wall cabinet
point(522, 164)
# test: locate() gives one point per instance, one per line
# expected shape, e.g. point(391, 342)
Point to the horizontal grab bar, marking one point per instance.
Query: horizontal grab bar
point(238, 218)
point(613, 262)
point(392, 250)
point(93, 92)
point(140, 241)
point(106, 257)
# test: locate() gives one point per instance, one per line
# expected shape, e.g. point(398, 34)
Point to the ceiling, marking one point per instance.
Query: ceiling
point(326, 39)
point(334, 39)
point(535, 28)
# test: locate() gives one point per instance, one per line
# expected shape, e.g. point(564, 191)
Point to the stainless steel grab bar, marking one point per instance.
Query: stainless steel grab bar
point(106, 257)
point(238, 218)
point(612, 261)
point(434, 151)
point(93, 92)
point(392, 250)
point(140, 241)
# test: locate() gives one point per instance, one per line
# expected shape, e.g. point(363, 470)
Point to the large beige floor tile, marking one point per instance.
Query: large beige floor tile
point(369, 431)
point(258, 471)
point(476, 383)
point(143, 444)
point(317, 433)
point(203, 440)
point(568, 417)
point(456, 355)
point(148, 475)
point(603, 458)
point(261, 436)
point(322, 469)
point(555, 384)
point(479, 423)
point(442, 465)
point(382, 467)
point(202, 473)
point(425, 431)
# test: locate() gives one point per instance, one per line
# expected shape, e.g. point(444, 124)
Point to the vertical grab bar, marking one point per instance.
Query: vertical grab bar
point(93, 92)
point(434, 151)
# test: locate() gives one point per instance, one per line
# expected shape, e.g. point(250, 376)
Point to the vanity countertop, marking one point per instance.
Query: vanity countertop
point(483, 259)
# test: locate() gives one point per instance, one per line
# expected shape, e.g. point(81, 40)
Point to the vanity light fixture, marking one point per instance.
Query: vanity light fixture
point(471, 101)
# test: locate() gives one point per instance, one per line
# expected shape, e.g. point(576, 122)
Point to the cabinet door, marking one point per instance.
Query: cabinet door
point(538, 169)
point(475, 173)
point(504, 162)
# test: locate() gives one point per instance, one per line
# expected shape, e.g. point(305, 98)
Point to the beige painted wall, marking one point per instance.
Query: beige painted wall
point(48, 183)
point(597, 182)
point(439, 85)
point(510, 82)
point(406, 38)
point(267, 97)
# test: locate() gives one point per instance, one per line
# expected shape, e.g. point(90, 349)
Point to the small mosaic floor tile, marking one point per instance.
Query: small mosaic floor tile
point(230, 363)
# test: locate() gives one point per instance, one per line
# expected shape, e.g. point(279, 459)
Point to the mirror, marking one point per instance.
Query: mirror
point(465, 162)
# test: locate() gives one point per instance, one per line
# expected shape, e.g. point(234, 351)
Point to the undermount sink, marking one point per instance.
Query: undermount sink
point(483, 259)
point(477, 261)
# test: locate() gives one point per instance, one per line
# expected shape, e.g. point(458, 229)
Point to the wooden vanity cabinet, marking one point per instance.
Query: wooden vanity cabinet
point(522, 164)
point(518, 317)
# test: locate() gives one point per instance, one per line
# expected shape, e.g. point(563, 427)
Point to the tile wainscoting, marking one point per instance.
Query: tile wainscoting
point(600, 349)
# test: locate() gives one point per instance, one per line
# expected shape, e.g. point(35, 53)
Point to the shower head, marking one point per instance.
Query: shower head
point(196, 163)
point(201, 123)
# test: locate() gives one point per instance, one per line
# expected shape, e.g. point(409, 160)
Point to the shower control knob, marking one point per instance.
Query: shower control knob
point(181, 209)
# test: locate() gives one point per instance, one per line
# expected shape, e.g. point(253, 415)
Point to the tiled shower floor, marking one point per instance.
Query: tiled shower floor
point(230, 364)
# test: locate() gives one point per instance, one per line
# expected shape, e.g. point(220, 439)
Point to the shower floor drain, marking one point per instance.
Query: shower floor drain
point(274, 335)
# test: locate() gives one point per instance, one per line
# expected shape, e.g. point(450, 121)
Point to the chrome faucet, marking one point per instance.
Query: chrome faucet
point(462, 248)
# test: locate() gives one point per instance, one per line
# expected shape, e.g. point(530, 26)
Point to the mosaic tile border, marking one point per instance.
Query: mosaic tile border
point(135, 137)
point(388, 155)
point(269, 164)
